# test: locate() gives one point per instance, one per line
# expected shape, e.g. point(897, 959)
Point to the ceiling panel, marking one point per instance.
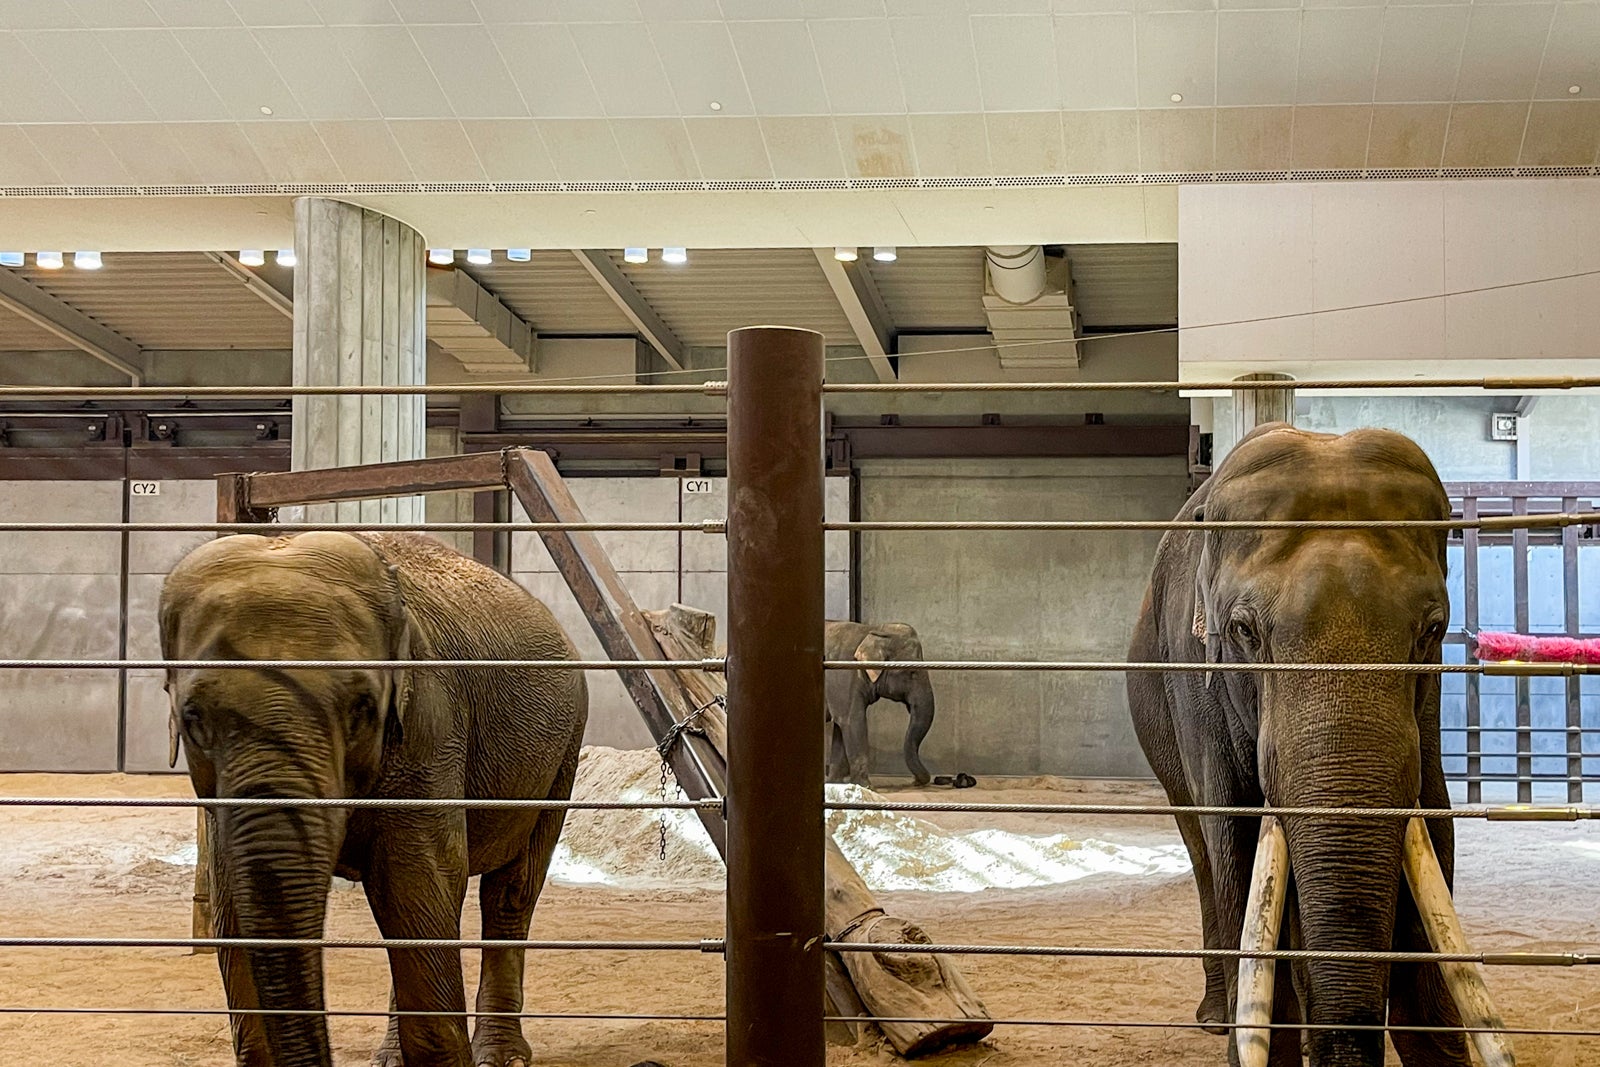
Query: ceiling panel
point(553, 294)
point(168, 300)
point(933, 288)
point(17, 334)
point(1124, 285)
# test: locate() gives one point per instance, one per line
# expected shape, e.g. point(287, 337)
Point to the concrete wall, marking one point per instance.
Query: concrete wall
point(1016, 596)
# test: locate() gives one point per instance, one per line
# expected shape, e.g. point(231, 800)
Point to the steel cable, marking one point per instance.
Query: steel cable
point(1508, 959)
point(1140, 1025)
point(705, 945)
point(401, 803)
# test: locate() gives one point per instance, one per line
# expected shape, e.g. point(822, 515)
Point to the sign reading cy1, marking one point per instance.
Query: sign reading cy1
point(694, 486)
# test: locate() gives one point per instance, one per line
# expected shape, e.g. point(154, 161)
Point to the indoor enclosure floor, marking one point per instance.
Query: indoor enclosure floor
point(128, 872)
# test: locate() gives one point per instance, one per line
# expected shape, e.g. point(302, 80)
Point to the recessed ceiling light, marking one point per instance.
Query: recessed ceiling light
point(48, 260)
point(441, 256)
point(1177, 98)
point(716, 105)
point(635, 255)
point(479, 257)
point(265, 110)
point(252, 257)
point(1574, 89)
point(12, 259)
point(844, 254)
point(286, 257)
point(674, 255)
point(884, 253)
point(519, 255)
point(86, 260)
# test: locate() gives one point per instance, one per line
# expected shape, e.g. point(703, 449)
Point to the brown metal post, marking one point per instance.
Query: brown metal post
point(776, 834)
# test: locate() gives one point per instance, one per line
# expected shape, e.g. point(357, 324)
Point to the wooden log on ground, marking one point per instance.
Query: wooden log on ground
point(886, 984)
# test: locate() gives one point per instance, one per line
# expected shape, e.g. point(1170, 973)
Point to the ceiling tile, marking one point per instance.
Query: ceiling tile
point(1177, 140)
point(858, 71)
point(149, 151)
point(32, 15)
point(1098, 143)
point(365, 151)
point(435, 12)
point(583, 150)
point(1258, 53)
point(292, 152)
point(21, 163)
point(1029, 142)
point(545, 63)
point(761, 10)
point(510, 150)
point(1573, 54)
point(729, 149)
point(702, 67)
point(167, 78)
point(1407, 135)
point(314, 65)
point(599, 10)
point(1421, 53)
point(802, 147)
point(658, 149)
point(220, 152)
point(1485, 135)
point(950, 146)
point(1258, 5)
point(239, 71)
point(31, 93)
point(1253, 138)
point(937, 66)
point(1178, 54)
point(626, 71)
point(438, 150)
point(194, 13)
point(1096, 61)
point(108, 14)
point(876, 146)
point(681, 10)
point(90, 77)
point(781, 67)
point(926, 8)
point(468, 67)
point(1330, 137)
point(1008, 7)
point(1563, 133)
point(842, 9)
point(1339, 55)
point(388, 63)
point(276, 12)
point(78, 153)
point(1016, 62)
point(1502, 53)
point(356, 12)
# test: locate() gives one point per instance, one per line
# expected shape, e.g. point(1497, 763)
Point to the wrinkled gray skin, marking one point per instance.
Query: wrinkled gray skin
point(359, 733)
point(851, 693)
point(1327, 740)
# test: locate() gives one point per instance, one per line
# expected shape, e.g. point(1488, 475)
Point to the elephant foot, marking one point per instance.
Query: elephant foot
point(1212, 1013)
point(500, 1046)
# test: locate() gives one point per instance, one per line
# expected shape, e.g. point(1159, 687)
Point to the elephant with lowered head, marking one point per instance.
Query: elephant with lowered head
point(1242, 738)
point(339, 734)
point(850, 693)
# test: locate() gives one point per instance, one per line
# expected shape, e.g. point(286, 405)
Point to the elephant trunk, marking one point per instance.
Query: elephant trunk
point(276, 867)
point(1361, 752)
point(919, 702)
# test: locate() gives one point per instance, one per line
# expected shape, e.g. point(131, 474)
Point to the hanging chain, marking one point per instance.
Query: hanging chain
point(664, 749)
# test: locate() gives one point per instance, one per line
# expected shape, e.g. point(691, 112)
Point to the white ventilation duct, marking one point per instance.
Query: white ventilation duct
point(1016, 272)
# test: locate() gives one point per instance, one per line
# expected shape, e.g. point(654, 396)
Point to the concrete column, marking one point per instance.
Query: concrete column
point(360, 296)
point(1252, 407)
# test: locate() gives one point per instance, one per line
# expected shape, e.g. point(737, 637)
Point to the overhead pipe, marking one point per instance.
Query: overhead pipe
point(1016, 272)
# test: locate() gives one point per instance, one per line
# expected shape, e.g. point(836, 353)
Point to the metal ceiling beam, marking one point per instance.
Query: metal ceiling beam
point(253, 282)
point(863, 307)
point(21, 297)
point(632, 304)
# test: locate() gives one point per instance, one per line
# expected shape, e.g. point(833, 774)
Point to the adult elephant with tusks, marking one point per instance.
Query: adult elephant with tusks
point(1368, 739)
point(327, 735)
point(851, 693)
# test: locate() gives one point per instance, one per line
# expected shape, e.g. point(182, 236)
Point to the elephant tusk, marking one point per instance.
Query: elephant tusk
point(1263, 918)
point(1443, 928)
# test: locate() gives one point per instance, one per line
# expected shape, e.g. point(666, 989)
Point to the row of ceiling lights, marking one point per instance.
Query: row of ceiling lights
point(881, 253)
point(51, 260)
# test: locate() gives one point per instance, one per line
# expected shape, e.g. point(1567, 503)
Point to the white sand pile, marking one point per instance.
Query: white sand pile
point(892, 850)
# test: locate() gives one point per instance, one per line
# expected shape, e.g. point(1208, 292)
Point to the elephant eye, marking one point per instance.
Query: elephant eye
point(1244, 634)
point(1434, 631)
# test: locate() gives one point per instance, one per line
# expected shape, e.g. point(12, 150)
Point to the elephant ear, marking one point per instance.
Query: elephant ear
point(875, 647)
point(173, 733)
point(406, 642)
point(1205, 627)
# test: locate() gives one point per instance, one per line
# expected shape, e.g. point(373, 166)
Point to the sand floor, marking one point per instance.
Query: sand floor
point(89, 872)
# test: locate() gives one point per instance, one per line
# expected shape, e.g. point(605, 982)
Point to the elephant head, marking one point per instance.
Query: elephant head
point(897, 641)
point(1328, 739)
point(270, 733)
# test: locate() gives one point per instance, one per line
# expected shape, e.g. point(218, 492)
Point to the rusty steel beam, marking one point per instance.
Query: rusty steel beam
point(776, 830)
point(367, 482)
point(620, 626)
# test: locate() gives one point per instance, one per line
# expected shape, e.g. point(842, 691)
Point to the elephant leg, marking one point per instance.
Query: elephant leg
point(388, 1053)
point(507, 897)
point(1214, 1005)
point(857, 747)
point(838, 764)
point(249, 1036)
point(415, 888)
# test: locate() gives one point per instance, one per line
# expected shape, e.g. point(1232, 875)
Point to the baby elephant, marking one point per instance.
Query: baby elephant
point(850, 693)
point(336, 734)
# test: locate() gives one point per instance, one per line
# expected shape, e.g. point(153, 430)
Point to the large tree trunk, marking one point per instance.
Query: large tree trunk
point(887, 985)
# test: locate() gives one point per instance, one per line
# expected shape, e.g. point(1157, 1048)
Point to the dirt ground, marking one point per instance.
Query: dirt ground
point(87, 872)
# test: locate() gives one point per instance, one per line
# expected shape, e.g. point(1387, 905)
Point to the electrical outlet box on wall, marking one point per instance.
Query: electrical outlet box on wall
point(1503, 426)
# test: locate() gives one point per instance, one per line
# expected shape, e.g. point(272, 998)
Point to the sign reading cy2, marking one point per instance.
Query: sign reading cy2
point(144, 488)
